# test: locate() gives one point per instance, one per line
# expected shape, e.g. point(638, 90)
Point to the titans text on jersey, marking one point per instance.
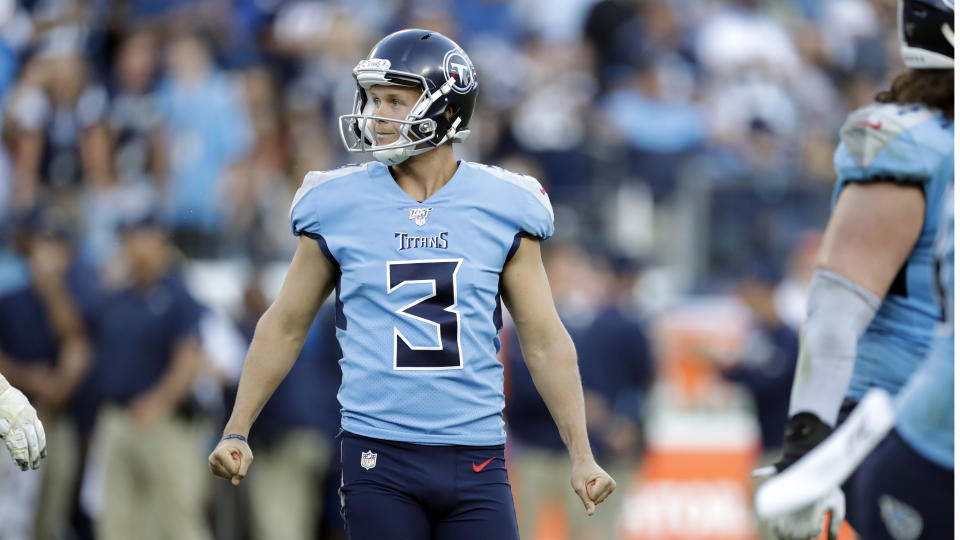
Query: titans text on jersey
point(418, 295)
point(409, 241)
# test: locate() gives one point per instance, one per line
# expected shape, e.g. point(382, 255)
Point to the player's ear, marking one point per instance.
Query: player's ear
point(448, 112)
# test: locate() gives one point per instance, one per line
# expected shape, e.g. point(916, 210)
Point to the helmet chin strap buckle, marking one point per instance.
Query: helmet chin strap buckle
point(457, 136)
point(428, 126)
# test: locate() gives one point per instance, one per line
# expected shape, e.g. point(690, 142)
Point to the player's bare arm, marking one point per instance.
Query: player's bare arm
point(552, 360)
point(871, 232)
point(276, 343)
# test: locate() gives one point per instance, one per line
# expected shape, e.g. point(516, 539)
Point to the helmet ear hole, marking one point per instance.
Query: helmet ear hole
point(448, 112)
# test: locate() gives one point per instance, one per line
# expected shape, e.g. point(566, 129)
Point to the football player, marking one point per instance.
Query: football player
point(904, 484)
point(420, 247)
point(872, 304)
point(20, 428)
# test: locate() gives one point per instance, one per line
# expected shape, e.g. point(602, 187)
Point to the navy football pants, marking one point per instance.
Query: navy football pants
point(406, 491)
point(900, 494)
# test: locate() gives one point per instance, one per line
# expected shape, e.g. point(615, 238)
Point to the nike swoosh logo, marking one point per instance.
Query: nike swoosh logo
point(478, 468)
point(864, 123)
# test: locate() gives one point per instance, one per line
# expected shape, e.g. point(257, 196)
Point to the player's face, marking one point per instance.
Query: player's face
point(391, 102)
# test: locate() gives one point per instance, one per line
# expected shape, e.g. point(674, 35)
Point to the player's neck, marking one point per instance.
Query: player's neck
point(423, 175)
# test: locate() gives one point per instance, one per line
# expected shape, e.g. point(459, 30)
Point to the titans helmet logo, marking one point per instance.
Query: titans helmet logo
point(460, 71)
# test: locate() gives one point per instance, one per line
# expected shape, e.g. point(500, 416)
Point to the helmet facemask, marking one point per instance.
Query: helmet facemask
point(424, 128)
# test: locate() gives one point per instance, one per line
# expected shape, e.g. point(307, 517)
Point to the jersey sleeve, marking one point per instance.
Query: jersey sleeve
point(315, 204)
point(538, 214)
point(531, 208)
point(305, 211)
point(901, 143)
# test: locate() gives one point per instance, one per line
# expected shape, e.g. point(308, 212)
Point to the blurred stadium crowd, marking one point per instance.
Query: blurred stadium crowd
point(151, 149)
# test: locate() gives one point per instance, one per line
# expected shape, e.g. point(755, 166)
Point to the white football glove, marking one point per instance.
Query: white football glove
point(794, 502)
point(807, 523)
point(20, 428)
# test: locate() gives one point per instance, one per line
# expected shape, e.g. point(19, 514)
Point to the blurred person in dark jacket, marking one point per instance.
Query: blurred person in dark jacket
point(44, 351)
point(617, 366)
point(765, 365)
point(295, 437)
point(148, 436)
point(539, 457)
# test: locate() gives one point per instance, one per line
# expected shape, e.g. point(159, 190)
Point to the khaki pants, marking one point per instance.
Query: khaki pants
point(541, 475)
point(286, 486)
point(155, 479)
point(60, 475)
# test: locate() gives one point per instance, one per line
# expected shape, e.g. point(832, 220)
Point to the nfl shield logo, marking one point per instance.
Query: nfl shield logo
point(419, 215)
point(368, 459)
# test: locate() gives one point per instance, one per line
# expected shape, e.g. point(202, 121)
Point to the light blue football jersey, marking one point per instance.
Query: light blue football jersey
point(909, 144)
point(418, 295)
point(925, 405)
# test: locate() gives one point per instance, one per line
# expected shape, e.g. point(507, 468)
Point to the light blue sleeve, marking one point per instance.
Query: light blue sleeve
point(316, 203)
point(536, 212)
point(903, 143)
point(529, 205)
point(307, 210)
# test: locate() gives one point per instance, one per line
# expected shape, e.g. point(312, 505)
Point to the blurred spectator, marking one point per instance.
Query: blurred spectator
point(614, 29)
point(617, 366)
point(208, 133)
point(139, 147)
point(538, 457)
point(45, 351)
point(134, 119)
point(791, 293)
point(294, 439)
point(550, 120)
point(739, 38)
point(262, 191)
point(651, 111)
point(767, 362)
point(16, 30)
point(765, 365)
point(56, 124)
point(148, 438)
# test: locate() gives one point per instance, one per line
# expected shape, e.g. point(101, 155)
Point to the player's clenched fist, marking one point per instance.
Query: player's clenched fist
point(231, 458)
point(20, 428)
point(592, 484)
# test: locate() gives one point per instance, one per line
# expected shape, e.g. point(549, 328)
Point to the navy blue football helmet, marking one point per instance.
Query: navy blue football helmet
point(420, 59)
point(926, 33)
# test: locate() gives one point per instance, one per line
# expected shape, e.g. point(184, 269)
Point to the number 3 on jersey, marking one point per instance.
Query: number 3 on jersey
point(436, 309)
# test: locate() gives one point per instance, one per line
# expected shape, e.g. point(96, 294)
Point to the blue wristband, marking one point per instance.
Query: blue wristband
point(234, 436)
